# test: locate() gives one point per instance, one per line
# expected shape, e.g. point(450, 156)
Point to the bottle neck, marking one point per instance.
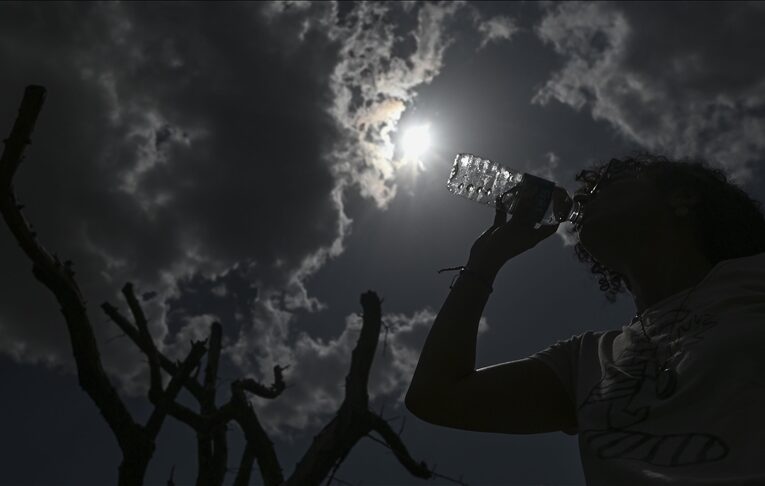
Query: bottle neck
point(576, 214)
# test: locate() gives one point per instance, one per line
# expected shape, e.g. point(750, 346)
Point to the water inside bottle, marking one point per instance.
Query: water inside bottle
point(479, 179)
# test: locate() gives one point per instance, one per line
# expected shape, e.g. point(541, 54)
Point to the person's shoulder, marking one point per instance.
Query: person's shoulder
point(754, 263)
point(591, 341)
point(594, 335)
point(576, 343)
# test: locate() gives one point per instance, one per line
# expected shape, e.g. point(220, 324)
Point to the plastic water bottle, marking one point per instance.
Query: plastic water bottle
point(523, 196)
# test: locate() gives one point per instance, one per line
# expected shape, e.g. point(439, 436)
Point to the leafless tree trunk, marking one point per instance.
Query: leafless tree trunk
point(136, 441)
point(353, 421)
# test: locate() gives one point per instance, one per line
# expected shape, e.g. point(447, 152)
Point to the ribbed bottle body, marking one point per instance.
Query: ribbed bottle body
point(522, 195)
point(481, 180)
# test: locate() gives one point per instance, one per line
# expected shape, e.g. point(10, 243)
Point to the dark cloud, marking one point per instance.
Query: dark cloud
point(677, 80)
point(238, 162)
point(162, 153)
point(188, 149)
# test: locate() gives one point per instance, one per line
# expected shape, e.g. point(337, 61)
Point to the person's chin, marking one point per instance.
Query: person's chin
point(592, 232)
point(594, 245)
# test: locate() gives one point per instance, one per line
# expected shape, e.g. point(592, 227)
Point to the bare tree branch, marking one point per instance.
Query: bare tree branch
point(209, 424)
point(211, 371)
point(187, 416)
point(169, 366)
point(146, 344)
point(176, 383)
point(212, 452)
point(330, 447)
point(395, 443)
point(59, 279)
point(170, 481)
point(263, 391)
point(155, 374)
point(220, 454)
point(363, 354)
point(257, 437)
point(337, 465)
point(245, 466)
point(354, 419)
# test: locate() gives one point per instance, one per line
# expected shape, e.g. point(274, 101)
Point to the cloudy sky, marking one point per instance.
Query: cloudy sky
point(243, 162)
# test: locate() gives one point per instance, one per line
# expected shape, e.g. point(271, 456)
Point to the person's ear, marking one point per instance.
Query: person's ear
point(682, 201)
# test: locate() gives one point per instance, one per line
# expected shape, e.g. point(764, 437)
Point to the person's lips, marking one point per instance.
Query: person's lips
point(584, 200)
point(589, 209)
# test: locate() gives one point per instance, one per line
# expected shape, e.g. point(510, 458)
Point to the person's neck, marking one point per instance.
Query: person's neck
point(653, 281)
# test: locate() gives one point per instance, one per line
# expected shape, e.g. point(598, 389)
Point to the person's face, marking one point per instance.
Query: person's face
point(625, 212)
point(625, 195)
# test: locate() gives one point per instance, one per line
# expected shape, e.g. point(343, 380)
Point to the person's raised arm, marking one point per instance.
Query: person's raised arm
point(447, 389)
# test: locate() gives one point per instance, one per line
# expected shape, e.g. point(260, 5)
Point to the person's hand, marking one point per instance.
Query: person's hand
point(503, 241)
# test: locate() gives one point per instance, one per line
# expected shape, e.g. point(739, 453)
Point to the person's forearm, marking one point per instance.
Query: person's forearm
point(450, 348)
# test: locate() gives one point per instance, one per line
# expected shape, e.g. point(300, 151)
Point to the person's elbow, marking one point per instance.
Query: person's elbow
point(411, 401)
point(417, 402)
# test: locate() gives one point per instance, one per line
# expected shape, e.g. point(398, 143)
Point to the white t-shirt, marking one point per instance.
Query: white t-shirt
point(711, 430)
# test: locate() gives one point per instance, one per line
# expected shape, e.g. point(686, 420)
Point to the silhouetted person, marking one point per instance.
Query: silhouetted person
point(675, 396)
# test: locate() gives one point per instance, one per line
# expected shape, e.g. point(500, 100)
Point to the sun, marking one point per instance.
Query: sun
point(416, 141)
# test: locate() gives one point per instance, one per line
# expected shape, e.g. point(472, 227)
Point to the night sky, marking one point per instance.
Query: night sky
point(242, 162)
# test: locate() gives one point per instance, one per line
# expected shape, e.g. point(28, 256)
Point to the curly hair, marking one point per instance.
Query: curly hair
point(726, 222)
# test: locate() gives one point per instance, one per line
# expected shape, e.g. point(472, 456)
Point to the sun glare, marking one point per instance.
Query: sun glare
point(416, 141)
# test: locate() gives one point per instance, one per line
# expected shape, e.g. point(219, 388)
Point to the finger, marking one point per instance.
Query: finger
point(500, 217)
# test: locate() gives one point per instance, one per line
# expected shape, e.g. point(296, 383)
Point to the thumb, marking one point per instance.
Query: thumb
point(548, 229)
point(500, 216)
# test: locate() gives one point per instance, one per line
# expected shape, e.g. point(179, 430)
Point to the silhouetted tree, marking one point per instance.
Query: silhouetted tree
point(353, 420)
